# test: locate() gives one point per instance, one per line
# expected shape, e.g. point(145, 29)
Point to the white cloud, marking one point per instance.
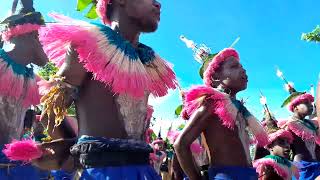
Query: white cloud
point(156, 101)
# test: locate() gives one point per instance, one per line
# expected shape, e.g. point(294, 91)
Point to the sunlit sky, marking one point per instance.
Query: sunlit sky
point(270, 34)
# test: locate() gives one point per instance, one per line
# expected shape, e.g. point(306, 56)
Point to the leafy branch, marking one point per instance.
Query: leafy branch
point(313, 36)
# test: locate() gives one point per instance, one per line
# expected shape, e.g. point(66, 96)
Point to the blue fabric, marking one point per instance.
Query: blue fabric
point(141, 172)
point(43, 174)
point(62, 175)
point(114, 144)
point(308, 170)
point(18, 172)
point(232, 173)
point(128, 172)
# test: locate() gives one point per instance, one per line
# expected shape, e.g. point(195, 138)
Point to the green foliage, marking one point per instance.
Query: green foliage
point(205, 64)
point(48, 70)
point(313, 36)
point(181, 127)
point(72, 110)
point(84, 4)
point(169, 145)
point(291, 97)
point(153, 136)
point(178, 110)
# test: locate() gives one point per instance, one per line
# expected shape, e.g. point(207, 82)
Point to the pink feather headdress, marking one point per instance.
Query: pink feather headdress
point(216, 62)
point(20, 24)
point(300, 99)
point(281, 133)
point(19, 30)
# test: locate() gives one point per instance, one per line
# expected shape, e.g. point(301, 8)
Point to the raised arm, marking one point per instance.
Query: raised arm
point(196, 124)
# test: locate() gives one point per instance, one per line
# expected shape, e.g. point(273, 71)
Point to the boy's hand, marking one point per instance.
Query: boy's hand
point(54, 154)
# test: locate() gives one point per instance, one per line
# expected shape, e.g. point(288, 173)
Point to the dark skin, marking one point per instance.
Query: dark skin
point(28, 49)
point(280, 147)
point(261, 152)
point(270, 174)
point(224, 145)
point(177, 172)
point(299, 148)
point(98, 112)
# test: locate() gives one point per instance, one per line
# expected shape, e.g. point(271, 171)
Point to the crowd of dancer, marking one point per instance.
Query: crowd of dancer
point(106, 75)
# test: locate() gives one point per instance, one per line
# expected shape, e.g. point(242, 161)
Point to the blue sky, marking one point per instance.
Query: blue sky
point(270, 34)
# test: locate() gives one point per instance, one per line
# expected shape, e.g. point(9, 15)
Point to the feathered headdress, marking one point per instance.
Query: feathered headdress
point(270, 124)
point(22, 23)
point(295, 97)
point(202, 53)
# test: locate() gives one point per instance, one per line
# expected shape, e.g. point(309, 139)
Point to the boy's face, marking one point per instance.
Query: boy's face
point(158, 146)
point(145, 13)
point(304, 109)
point(280, 147)
point(233, 75)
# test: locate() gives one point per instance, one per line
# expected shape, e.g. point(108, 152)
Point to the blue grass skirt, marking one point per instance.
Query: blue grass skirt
point(62, 175)
point(134, 172)
point(232, 173)
point(308, 170)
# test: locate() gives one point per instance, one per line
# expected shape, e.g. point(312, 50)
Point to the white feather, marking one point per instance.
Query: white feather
point(279, 73)
point(263, 100)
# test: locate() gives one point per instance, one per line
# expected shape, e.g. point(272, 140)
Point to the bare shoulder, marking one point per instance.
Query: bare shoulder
point(200, 116)
point(197, 123)
point(72, 69)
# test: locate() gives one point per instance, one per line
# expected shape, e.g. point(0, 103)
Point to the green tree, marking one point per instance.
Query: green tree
point(48, 70)
point(313, 36)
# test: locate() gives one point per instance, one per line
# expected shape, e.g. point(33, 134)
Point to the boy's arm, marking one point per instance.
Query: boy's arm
point(73, 73)
point(264, 175)
point(196, 124)
point(177, 172)
point(59, 148)
point(268, 173)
